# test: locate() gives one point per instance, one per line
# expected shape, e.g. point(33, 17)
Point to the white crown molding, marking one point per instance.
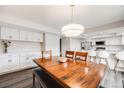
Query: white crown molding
point(28, 24)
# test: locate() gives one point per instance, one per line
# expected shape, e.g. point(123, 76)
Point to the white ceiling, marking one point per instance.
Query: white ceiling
point(57, 16)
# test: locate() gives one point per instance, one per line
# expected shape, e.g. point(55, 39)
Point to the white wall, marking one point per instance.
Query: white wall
point(20, 46)
point(75, 44)
point(52, 42)
point(72, 44)
point(65, 45)
point(5, 19)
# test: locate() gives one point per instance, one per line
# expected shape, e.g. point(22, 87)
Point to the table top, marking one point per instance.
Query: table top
point(73, 74)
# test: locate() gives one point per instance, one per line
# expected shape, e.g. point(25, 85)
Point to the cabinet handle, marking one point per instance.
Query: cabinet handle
point(26, 38)
point(9, 60)
point(10, 37)
point(27, 58)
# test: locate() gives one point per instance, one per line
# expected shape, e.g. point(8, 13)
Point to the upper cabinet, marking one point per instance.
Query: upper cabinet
point(31, 36)
point(26, 35)
point(37, 37)
point(7, 33)
point(116, 40)
point(123, 39)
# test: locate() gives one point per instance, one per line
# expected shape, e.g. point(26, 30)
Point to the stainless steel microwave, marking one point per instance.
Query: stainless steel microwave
point(100, 42)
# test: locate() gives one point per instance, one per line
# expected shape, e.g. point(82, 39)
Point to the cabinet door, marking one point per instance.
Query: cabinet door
point(5, 33)
point(23, 60)
point(9, 33)
point(36, 55)
point(30, 60)
point(23, 35)
point(37, 37)
point(117, 40)
point(29, 36)
point(4, 64)
point(40, 37)
point(14, 34)
point(93, 42)
point(14, 60)
point(122, 39)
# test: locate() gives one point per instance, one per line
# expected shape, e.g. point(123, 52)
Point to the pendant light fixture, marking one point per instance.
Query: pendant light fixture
point(72, 29)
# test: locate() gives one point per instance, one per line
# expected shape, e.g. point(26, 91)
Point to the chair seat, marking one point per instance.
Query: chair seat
point(45, 79)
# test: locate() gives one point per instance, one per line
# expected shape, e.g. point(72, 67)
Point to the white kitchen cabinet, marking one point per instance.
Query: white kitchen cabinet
point(37, 37)
point(116, 40)
point(14, 60)
point(93, 42)
point(9, 33)
point(109, 41)
point(4, 64)
point(123, 39)
point(4, 33)
point(26, 59)
point(31, 36)
point(23, 35)
point(36, 55)
point(26, 35)
point(8, 62)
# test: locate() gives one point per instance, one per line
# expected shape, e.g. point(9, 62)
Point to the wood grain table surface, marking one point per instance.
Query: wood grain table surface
point(73, 74)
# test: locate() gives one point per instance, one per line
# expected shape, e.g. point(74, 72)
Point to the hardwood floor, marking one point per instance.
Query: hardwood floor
point(23, 79)
point(112, 79)
point(20, 79)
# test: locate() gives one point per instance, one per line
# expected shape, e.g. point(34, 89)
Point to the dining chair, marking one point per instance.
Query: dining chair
point(70, 54)
point(81, 56)
point(92, 55)
point(120, 57)
point(47, 54)
point(103, 55)
point(44, 80)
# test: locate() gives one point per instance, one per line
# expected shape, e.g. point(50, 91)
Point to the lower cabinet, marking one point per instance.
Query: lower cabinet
point(8, 62)
point(12, 62)
point(26, 59)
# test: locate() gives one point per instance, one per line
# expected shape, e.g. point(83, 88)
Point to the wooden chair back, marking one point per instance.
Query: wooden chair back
point(69, 54)
point(81, 56)
point(47, 54)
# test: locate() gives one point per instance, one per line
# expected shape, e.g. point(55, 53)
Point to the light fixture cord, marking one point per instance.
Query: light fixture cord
point(72, 14)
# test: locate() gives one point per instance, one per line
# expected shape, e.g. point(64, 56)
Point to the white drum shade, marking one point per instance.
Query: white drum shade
point(73, 29)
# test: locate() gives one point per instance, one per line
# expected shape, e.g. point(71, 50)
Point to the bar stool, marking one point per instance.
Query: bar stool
point(120, 57)
point(92, 55)
point(103, 55)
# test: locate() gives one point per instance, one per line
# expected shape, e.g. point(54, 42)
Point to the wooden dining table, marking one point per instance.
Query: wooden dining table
point(71, 74)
